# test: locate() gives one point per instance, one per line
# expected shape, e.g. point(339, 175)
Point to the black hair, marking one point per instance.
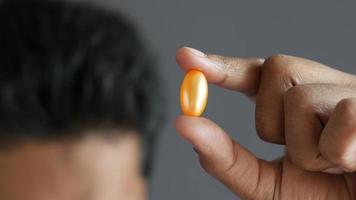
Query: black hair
point(65, 66)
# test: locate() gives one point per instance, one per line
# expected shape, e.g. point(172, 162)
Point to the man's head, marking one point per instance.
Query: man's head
point(78, 103)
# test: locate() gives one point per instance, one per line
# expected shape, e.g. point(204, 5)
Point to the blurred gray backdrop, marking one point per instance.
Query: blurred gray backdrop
point(323, 30)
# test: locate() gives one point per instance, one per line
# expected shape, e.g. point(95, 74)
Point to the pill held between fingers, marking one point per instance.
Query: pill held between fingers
point(194, 93)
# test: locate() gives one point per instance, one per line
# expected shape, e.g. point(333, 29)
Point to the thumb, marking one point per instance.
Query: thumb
point(226, 160)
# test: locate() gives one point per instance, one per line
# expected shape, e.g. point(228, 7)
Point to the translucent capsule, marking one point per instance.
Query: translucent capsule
point(194, 93)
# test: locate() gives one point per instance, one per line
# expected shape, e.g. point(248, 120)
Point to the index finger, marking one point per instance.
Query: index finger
point(237, 74)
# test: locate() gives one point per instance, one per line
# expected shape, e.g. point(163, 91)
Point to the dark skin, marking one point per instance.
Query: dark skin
point(306, 106)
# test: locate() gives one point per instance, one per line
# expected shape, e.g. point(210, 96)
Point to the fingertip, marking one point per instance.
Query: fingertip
point(190, 127)
point(187, 125)
point(179, 123)
point(189, 58)
point(190, 50)
point(201, 132)
point(180, 54)
point(186, 57)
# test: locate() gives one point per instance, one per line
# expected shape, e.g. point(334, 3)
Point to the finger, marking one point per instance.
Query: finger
point(307, 109)
point(279, 74)
point(338, 140)
point(231, 73)
point(226, 160)
point(270, 79)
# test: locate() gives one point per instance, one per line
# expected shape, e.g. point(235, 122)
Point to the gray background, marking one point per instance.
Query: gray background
point(322, 30)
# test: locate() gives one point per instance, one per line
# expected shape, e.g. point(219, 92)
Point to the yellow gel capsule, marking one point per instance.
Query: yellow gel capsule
point(194, 93)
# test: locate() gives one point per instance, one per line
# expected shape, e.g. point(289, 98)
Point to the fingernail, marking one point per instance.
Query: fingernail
point(335, 170)
point(196, 52)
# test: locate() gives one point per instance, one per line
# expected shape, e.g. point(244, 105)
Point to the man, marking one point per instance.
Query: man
point(78, 110)
point(304, 105)
point(78, 103)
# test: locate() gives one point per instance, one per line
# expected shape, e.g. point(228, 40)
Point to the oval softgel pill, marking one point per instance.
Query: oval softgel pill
point(194, 93)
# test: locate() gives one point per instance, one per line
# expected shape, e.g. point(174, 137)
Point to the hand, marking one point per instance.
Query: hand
point(307, 106)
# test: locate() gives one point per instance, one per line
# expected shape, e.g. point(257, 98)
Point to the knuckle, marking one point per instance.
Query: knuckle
point(347, 108)
point(296, 93)
point(263, 130)
point(267, 131)
point(276, 59)
point(344, 159)
point(298, 97)
point(280, 66)
point(262, 134)
point(342, 155)
point(274, 66)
